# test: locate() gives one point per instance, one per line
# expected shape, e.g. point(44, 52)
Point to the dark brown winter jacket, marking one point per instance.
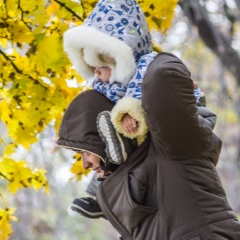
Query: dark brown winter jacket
point(168, 189)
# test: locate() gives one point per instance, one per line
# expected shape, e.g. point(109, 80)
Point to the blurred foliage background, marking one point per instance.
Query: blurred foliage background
point(37, 83)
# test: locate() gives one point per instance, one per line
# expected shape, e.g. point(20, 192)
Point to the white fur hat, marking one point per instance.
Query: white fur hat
point(115, 34)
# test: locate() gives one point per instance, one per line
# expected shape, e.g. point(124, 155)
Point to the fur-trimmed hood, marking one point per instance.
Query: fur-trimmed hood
point(78, 129)
point(116, 29)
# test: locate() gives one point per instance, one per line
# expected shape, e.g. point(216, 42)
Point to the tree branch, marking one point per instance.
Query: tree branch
point(12, 63)
point(20, 71)
point(68, 9)
point(238, 3)
point(230, 17)
point(22, 12)
point(212, 36)
point(84, 12)
point(1, 174)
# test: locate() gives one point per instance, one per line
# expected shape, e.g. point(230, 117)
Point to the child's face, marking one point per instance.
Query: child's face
point(103, 73)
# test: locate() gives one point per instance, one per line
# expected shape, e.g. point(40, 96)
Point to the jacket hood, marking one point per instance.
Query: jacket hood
point(78, 129)
point(115, 30)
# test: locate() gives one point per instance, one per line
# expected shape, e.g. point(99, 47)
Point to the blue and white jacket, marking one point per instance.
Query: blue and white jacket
point(116, 90)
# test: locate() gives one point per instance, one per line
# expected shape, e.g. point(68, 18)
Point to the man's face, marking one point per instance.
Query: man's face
point(92, 161)
point(103, 73)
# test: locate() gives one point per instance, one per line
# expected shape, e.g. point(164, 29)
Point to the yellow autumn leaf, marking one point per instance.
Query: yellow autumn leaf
point(6, 168)
point(12, 7)
point(40, 18)
point(48, 58)
point(4, 33)
point(159, 13)
point(21, 176)
point(24, 139)
point(39, 180)
point(52, 8)
point(24, 64)
point(22, 33)
point(30, 6)
point(5, 226)
point(3, 42)
point(21, 134)
point(5, 112)
point(10, 149)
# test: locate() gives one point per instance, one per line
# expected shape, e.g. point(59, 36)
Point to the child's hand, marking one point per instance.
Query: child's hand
point(129, 124)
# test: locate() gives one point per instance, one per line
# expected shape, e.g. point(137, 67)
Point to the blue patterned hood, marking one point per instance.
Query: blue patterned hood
point(115, 34)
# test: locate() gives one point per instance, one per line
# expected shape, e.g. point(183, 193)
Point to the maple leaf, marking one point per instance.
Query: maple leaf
point(39, 180)
point(5, 226)
point(19, 175)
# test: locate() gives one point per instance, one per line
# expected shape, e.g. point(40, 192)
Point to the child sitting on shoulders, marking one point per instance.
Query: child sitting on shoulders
point(114, 44)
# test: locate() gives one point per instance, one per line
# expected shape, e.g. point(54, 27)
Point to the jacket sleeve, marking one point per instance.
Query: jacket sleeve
point(113, 91)
point(171, 112)
point(209, 117)
point(131, 103)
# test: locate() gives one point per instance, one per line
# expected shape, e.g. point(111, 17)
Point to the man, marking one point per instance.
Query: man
point(168, 188)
